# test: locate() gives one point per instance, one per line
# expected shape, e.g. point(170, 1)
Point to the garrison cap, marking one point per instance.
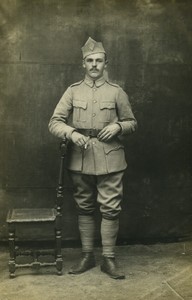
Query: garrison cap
point(91, 47)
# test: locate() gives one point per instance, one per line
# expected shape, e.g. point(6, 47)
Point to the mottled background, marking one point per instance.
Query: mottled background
point(149, 47)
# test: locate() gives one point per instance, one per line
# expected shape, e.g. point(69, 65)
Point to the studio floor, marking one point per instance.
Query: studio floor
point(160, 271)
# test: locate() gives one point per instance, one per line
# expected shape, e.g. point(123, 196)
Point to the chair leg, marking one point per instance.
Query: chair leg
point(59, 259)
point(12, 253)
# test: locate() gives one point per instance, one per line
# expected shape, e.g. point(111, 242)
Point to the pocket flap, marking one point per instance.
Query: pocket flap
point(80, 104)
point(106, 104)
point(108, 147)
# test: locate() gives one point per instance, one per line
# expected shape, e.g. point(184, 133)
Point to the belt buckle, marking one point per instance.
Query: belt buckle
point(92, 132)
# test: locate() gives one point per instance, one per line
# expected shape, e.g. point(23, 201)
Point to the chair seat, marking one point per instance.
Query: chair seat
point(26, 215)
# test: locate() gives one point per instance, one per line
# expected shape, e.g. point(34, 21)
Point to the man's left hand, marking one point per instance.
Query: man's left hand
point(108, 132)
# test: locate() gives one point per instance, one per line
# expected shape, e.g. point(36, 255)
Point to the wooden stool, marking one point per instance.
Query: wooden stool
point(38, 216)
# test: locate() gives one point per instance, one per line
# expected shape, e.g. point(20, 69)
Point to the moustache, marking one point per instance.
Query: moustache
point(94, 69)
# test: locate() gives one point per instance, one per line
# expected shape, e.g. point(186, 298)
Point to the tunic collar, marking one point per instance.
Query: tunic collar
point(91, 82)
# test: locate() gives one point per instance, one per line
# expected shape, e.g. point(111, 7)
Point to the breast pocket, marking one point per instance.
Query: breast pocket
point(79, 111)
point(107, 111)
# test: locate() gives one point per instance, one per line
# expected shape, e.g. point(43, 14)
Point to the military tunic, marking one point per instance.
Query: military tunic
point(93, 105)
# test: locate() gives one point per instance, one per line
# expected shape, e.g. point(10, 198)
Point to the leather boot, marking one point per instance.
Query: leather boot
point(109, 267)
point(86, 263)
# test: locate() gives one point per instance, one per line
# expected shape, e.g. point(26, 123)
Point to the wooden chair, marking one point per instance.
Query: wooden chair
point(38, 216)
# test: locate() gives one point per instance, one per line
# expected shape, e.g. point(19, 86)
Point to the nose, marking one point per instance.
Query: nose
point(94, 63)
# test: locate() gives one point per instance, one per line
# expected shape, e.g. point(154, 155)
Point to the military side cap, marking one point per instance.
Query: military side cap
point(91, 47)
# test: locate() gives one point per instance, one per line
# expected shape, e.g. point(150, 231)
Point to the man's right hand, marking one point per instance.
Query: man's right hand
point(78, 139)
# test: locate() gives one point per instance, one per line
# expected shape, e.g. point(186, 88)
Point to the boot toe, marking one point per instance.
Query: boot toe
point(110, 268)
point(86, 263)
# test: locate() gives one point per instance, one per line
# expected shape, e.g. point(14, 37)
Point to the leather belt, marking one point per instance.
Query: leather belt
point(89, 132)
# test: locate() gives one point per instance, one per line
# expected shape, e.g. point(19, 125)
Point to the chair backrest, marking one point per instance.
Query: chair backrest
point(60, 186)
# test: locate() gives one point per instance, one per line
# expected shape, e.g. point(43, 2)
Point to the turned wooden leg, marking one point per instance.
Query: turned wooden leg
point(59, 259)
point(12, 252)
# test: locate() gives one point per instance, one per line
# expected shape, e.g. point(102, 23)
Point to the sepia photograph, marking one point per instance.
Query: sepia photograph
point(95, 149)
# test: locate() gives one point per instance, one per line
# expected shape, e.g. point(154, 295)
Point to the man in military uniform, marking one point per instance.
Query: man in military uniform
point(93, 115)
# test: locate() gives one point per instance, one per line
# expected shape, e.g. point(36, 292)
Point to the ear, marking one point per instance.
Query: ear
point(106, 63)
point(83, 63)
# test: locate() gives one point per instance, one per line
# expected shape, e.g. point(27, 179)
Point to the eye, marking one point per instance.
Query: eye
point(89, 60)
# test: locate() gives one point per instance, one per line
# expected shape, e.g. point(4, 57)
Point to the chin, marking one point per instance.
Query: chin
point(95, 76)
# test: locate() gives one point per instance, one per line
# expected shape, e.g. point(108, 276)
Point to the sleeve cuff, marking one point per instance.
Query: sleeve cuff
point(69, 133)
point(120, 132)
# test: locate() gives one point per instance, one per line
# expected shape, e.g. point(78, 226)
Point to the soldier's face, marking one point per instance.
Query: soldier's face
point(94, 65)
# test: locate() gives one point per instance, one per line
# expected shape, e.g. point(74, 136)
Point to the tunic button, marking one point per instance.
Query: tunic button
point(94, 101)
point(93, 143)
point(94, 89)
point(94, 115)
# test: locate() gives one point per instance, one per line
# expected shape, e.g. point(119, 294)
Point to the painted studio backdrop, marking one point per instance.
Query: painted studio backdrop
point(149, 46)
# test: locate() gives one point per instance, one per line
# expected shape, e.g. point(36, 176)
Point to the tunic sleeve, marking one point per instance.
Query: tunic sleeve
point(58, 122)
point(126, 118)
